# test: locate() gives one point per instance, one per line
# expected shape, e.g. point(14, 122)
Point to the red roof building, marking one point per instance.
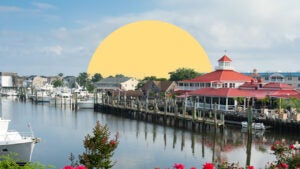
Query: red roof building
point(223, 77)
point(230, 90)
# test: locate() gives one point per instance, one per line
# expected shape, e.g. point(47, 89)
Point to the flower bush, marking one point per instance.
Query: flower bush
point(286, 156)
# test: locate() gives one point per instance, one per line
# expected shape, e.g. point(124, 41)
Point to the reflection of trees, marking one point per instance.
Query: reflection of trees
point(154, 132)
point(182, 140)
point(174, 137)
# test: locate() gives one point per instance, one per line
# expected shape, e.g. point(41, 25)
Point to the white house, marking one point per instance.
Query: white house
point(117, 83)
point(7, 79)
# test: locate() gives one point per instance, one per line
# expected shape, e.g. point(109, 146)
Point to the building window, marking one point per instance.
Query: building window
point(224, 85)
point(232, 85)
point(290, 78)
point(299, 78)
point(266, 78)
point(298, 85)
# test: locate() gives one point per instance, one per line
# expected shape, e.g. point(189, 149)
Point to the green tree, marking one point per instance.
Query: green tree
point(60, 74)
point(58, 83)
point(96, 77)
point(98, 148)
point(83, 79)
point(183, 74)
point(119, 75)
point(90, 87)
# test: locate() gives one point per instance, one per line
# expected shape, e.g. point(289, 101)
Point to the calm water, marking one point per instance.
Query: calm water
point(142, 145)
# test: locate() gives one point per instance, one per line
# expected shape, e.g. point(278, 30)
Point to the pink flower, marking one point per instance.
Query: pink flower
point(193, 168)
point(208, 166)
point(282, 165)
point(273, 147)
point(68, 167)
point(292, 146)
point(178, 166)
point(80, 167)
point(251, 167)
point(112, 142)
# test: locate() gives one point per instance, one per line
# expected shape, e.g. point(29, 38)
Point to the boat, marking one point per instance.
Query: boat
point(41, 96)
point(14, 142)
point(256, 126)
point(61, 99)
point(87, 103)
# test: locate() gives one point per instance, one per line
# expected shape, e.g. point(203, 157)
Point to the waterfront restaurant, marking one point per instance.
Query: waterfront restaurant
point(236, 99)
point(230, 90)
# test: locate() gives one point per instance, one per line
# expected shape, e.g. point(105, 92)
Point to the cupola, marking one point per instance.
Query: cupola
point(224, 63)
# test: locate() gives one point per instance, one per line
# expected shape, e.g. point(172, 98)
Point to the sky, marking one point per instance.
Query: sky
point(60, 36)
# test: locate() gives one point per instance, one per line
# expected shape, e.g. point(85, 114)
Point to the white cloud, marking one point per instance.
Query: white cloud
point(10, 9)
point(53, 50)
point(44, 6)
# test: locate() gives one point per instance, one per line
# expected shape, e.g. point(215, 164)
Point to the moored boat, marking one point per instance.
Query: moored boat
point(21, 144)
point(256, 126)
point(86, 103)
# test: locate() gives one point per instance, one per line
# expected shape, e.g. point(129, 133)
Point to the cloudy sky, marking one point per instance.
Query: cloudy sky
point(54, 36)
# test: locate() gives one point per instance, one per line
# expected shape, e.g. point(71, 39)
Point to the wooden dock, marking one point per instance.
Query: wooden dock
point(165, 118)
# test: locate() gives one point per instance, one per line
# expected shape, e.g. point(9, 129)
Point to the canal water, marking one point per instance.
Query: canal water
point(142, 145)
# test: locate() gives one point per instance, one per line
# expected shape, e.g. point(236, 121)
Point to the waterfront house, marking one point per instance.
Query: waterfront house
point(290, 78)
point(8, 83)
point(117, 83)
point(152, 87)
point(69, 81)
point(38, 82)
point(7, 79)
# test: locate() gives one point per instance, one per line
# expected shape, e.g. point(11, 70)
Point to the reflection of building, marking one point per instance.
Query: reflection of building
point(290, 78)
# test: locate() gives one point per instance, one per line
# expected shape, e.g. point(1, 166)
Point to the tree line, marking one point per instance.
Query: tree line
point(86, 81)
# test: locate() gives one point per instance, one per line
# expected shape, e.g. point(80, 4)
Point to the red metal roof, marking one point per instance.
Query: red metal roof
point(221, 92)
point(278, 86)
point(221, 75)
point(225, 58)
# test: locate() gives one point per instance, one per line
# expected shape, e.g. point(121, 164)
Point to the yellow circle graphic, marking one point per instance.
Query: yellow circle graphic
point(148, 48)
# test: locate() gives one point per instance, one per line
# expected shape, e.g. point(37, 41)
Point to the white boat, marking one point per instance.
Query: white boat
point(41, 96)
point(256, 126)
point(14, 142)
point(61, 99)
point(86, 103)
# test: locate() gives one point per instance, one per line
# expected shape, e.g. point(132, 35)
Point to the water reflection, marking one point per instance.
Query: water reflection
point(142, 144)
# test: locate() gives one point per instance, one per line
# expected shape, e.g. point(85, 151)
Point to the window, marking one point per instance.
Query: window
point(290, 78)
point(298, 85)
point(298, 78)
point(266, 78)
point(232, 85)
